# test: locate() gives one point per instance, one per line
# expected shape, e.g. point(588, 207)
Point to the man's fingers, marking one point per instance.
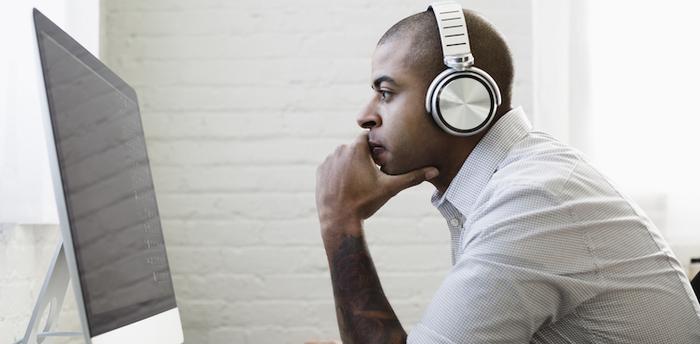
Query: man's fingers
point(362, 140)
point(361, 145)
point(403, 181)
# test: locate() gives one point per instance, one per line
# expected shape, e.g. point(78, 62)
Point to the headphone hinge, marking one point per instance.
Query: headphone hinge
point(459, 62)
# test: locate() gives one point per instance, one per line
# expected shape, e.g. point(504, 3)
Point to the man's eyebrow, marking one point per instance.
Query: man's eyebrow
point(384, 78)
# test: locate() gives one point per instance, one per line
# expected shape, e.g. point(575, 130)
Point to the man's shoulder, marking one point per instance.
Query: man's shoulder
point(541, 166)
point(543, 176)
point(538, 161)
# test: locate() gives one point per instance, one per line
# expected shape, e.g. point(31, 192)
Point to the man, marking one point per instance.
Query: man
point(544, 248)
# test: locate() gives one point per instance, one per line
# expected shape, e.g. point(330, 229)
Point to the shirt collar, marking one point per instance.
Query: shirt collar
point(482, 162)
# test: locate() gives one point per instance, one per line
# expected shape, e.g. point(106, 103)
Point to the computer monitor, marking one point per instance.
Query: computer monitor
point(106, 202)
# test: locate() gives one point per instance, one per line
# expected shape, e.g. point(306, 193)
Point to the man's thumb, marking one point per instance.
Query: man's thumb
point(407, 180)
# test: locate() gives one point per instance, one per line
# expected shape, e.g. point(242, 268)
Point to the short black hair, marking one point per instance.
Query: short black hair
point(491, 53)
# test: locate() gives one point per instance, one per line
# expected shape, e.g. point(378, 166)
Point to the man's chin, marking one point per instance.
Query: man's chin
point(391, 170)
point(389, 166)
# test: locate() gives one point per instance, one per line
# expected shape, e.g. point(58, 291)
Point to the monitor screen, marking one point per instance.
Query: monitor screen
point(107, 185)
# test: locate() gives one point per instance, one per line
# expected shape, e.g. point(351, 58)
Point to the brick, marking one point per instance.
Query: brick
point(206, 232)
point(259, 206)
point(310, 71)
point(299, 286)
point(198, 179)
point(263, 312)
point(163, 126)
point(248, 98)
point(267, 260)
point(221, 286)
point(229, 335)
point(241, 152)
point(286, 334)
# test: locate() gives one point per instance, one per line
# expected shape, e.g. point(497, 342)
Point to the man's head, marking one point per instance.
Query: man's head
point(407, 58)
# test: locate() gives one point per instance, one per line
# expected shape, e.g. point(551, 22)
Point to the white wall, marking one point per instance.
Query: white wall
point(241, 100)
point(26, 194)
point(25, 252)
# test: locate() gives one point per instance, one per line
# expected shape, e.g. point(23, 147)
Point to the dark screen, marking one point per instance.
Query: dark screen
point(107, 185)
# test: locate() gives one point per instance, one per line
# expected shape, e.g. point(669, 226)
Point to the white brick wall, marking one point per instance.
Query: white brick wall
point(240, 101)
point(25, 254)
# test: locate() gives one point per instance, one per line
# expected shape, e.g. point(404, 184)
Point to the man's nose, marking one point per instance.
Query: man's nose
point(368, 117)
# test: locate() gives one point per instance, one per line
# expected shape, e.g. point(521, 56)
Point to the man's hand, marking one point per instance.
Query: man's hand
point(349, 186)
point(349, 189)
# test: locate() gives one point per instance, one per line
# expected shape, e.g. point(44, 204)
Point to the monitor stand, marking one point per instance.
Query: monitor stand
point(51, 295)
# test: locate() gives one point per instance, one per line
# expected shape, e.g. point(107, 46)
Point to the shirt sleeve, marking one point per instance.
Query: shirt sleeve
point(521, 255)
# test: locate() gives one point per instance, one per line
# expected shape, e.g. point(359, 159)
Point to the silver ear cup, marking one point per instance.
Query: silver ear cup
point(463, 103)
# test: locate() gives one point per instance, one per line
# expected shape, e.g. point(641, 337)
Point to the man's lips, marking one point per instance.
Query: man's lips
point(377, 150)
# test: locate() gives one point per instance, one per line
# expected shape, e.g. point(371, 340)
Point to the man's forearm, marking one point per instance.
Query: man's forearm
point(350, 188)
point(364, 314)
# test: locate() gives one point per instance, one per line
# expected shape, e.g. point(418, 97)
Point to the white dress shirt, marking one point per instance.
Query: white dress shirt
point(546, 250)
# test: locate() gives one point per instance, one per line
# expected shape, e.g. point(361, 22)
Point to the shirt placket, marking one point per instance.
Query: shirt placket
point(455, 222)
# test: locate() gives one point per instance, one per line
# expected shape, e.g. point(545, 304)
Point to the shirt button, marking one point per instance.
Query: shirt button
point(454, 222)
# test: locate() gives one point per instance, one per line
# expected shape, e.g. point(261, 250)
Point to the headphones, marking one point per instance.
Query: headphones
point(462, 99)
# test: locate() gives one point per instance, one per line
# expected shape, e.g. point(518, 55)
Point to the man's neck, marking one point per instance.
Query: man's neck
point(463, 147)
point(453, 162)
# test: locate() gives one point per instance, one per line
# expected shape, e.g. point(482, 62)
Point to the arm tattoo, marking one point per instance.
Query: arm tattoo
point(364, 314)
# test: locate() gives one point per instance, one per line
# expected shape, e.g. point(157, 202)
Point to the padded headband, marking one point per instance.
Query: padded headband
point(454, 37)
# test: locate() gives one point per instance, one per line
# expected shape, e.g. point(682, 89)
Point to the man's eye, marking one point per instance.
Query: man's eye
point(384, 94)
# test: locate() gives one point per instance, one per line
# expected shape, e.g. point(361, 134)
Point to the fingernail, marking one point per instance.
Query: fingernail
point(432, 173)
